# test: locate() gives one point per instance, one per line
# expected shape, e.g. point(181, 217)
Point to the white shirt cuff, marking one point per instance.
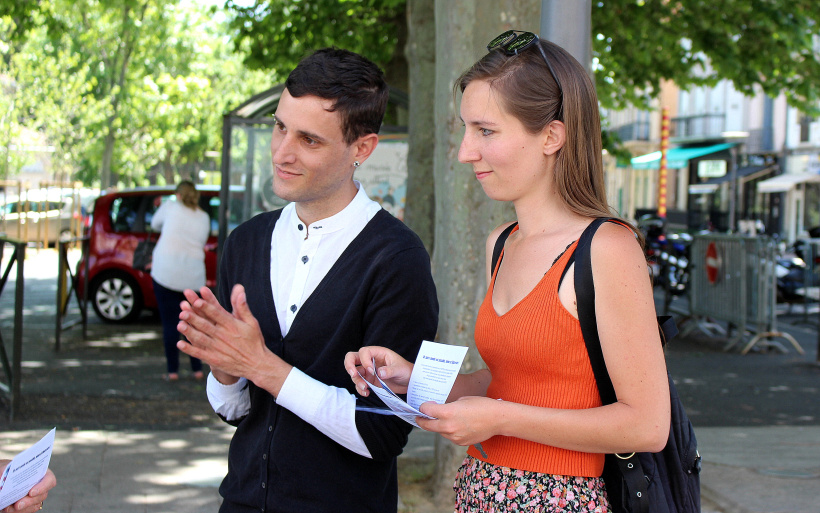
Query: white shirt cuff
point(331, 410)
point(231, 401)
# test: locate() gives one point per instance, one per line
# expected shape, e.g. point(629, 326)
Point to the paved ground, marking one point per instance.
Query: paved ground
point(128, 441)
point(762, 388)
point(112, 379)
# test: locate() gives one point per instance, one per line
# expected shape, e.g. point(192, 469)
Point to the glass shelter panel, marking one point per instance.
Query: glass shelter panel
point(251, 172)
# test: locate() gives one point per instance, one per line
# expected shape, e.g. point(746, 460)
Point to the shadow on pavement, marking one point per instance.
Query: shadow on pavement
point(110, 380)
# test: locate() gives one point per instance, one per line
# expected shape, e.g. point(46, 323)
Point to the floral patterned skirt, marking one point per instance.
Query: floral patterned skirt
point(486, 488)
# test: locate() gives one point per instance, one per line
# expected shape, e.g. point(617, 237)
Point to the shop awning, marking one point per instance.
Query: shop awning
point(743, 174)
point(703, 188)
point(785, 183)
point(677, 158)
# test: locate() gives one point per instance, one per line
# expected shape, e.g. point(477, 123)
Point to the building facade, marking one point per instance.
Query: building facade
point(734, 162)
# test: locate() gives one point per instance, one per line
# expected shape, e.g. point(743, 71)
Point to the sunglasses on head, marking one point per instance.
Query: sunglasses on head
point(513, 42)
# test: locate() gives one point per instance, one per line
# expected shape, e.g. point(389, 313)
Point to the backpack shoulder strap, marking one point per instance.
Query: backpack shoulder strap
point(630, 467)
point(585, 297)
point(499, 244)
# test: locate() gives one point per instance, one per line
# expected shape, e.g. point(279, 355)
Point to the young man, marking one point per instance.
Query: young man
point(329, 273)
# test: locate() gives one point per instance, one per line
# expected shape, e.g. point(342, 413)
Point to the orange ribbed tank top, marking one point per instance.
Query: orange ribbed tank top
point(537, 356)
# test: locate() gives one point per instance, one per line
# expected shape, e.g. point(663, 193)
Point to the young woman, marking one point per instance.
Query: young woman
point(178, 263)
point(533, 138)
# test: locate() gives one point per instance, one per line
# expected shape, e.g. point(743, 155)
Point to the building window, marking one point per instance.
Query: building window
point(805, 122)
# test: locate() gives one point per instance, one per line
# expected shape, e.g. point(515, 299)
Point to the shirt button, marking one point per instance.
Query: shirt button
point(300, 227)
point(270, 428)
point(264, 456)
point(263, 484)
point(305, 259)
point(293, 308)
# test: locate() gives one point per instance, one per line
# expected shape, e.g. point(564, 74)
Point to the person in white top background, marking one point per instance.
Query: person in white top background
point(178, 263)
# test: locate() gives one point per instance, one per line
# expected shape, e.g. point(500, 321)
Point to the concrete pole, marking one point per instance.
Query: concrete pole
point(569, 25)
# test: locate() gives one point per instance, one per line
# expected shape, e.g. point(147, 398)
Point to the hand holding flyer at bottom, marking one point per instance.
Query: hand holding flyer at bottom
point(433, 375)
point(26, 470)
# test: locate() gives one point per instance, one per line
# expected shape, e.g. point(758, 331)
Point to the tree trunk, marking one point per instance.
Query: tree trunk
point(419, 208)
point(122, 57)
point(168, 169)
point(106, 180)
point(396, 71)
point(464, 214)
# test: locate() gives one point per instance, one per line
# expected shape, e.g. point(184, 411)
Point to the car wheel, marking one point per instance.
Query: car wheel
point(116, 297)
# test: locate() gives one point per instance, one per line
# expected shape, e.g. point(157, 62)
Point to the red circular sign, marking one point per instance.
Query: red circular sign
point(712, 263)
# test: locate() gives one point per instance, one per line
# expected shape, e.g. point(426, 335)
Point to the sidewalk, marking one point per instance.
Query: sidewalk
point(755, 418)
point(132, 472)
point(753, 470)
point(760, 470)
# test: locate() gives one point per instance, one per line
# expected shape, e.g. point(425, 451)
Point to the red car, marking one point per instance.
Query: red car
point(120, 220)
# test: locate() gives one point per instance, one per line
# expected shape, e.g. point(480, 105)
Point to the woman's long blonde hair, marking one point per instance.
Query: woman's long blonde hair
point(188, 194)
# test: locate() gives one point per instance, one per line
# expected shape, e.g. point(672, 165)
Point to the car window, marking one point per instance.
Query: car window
point(124, 212)
point(10, 207)
point(43, 206)
point(134, 213)
point(13, 206)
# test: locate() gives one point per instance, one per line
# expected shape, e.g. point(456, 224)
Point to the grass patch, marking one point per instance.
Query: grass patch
point(415, 475)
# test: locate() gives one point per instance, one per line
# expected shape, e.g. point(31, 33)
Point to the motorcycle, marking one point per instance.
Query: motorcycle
point(796, 271)
point(673, 259)
point(654, 241)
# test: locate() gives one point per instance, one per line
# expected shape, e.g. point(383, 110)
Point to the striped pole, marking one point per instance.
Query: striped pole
point(662, 172)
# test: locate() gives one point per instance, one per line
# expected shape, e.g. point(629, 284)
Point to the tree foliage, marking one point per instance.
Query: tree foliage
point(57, 101)
point(768, 45)
point(147, 80)
point(142, 83)
point(277, 34)
point(636, 43)
point(23, 16)
point(771, 44)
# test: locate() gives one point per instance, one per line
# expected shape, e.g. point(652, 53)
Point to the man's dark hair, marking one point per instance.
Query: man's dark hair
point(356, 86)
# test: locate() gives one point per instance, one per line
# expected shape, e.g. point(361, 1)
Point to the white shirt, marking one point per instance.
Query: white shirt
point(301, 256)
point(178, 262)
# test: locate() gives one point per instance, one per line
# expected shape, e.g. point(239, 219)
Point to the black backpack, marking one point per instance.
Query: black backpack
point(663, 482)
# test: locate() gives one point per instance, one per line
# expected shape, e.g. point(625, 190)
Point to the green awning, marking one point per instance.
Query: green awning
point(677, 158)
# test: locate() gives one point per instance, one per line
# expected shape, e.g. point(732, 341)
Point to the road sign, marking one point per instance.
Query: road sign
point(712, 263)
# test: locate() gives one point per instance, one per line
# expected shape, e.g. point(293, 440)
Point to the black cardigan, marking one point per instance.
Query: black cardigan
point(379, 292)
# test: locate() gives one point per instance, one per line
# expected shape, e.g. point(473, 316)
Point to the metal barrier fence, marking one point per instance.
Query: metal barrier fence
point(12, 368)
point(732, 278)
point(66, 285)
